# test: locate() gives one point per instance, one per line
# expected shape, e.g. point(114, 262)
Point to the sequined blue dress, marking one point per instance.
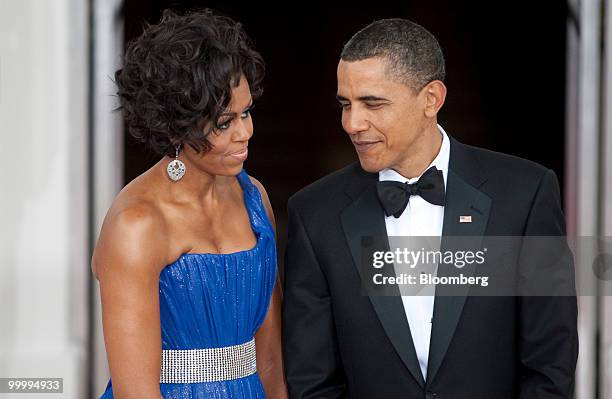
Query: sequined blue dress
point(218, 300)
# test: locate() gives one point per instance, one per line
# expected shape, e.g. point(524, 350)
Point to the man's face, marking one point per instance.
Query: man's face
point(383, 117)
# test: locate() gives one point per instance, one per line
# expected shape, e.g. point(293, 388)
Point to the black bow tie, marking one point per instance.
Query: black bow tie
point(394, 195)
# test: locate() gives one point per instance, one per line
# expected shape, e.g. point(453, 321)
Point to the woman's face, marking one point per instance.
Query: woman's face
point(230, 139)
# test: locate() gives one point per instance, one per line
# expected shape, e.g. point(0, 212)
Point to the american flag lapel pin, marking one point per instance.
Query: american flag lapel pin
point(465, 219)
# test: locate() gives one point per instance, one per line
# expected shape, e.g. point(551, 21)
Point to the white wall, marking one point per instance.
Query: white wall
point(44, 265)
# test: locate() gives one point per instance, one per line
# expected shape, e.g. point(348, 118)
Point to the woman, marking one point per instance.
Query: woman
point(186, 257)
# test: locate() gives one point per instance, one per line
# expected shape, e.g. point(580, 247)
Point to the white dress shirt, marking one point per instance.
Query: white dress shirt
point(420, 218)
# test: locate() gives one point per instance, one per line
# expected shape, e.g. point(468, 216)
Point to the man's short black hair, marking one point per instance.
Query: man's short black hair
point(413, 53)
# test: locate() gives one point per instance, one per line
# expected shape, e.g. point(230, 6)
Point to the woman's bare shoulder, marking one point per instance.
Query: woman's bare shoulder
point(133, 234)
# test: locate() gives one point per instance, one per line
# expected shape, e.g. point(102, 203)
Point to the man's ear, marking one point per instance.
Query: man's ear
point(435, 94)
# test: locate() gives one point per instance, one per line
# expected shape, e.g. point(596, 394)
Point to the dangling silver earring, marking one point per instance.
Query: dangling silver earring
point(176, 169)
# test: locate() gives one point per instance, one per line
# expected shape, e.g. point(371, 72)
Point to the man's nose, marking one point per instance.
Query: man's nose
point(354, 122)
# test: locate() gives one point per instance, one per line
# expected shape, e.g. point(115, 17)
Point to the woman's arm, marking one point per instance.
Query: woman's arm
point(268, 337)
point(268, 347)
point(128, 259)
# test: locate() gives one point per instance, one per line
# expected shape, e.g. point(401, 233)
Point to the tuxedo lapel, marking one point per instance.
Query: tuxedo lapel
point(364, 217)
point(466, 215)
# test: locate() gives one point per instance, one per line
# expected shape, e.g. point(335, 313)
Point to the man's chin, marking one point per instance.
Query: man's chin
point(370, 167)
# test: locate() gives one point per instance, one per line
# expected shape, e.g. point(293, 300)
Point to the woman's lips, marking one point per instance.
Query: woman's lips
point(240, 155)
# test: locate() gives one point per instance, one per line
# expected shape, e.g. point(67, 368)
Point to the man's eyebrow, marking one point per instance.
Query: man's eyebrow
point(363, 98)
point(372, 98)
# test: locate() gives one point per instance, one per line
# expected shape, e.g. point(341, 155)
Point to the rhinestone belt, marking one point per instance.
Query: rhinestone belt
point(208, 365)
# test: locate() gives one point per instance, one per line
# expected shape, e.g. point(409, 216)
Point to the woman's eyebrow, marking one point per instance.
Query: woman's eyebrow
point(233, 114)
point(249, 106)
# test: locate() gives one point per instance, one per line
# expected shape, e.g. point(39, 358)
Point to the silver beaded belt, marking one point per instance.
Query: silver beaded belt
point(208, 365)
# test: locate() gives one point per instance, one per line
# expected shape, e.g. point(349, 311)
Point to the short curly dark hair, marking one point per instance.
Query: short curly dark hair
point(177, 78)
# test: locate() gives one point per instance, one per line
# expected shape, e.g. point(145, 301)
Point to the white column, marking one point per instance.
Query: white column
point(107, 149)
point(44, 265)
point(582, 166)
point(605, 373)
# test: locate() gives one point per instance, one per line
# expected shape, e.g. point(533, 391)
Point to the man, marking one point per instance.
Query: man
point(340, 342)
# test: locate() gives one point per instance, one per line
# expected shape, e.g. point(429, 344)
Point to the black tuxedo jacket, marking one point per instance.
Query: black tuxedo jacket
point(340, 343)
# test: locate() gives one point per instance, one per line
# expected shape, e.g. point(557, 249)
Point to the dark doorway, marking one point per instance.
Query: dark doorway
point(505, 75)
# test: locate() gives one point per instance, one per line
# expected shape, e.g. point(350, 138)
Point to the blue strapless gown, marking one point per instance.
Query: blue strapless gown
point(217, 300)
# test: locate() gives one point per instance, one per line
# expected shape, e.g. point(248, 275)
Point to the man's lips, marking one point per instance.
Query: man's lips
point(364, 145)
